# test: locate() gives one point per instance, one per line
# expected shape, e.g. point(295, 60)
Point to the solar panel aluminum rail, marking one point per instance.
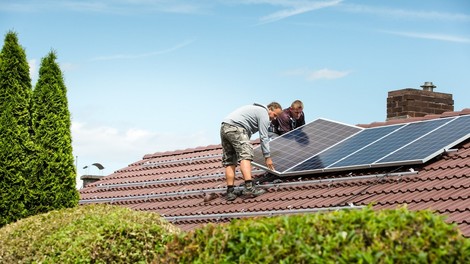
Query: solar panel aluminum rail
point(404, 144)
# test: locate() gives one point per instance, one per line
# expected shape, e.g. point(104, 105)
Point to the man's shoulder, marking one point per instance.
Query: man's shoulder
point(285, 114)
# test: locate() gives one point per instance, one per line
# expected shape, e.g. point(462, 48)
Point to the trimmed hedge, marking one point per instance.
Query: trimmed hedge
point(347, 236)
point(113, 234)
point(86, 234)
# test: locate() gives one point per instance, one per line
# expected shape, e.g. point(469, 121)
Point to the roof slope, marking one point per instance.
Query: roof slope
point(188, 187)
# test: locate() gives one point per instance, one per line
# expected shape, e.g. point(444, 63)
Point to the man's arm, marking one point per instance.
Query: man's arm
point(264, 136)
point(264, 140)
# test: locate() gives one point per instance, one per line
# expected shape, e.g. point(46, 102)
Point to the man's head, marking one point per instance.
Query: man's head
point(296, 108)
point(275, 109)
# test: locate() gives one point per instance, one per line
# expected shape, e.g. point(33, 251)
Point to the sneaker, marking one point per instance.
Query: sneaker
point(231, 196)
point(251, 192)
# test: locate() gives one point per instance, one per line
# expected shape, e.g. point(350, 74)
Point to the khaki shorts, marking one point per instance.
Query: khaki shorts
point(236, 144)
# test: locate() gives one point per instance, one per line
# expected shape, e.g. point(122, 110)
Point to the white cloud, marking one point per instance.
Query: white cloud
point(432, 36)
point(312, 75)
point(295, 8)
point(118, 148)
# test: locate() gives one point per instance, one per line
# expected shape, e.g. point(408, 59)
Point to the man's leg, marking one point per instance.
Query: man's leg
point(245, 167)
point(249, 191)
point(229, 159)
point(230, 175)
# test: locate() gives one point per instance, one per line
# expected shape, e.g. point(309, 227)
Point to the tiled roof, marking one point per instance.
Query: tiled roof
point(187, 187)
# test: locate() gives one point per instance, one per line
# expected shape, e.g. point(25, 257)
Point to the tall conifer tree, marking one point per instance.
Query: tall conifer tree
point(16, 146)
point(54, 169)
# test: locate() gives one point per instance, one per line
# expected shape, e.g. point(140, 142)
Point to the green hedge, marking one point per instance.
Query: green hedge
point(86, 234)
point(113, 234)
point(347, 236)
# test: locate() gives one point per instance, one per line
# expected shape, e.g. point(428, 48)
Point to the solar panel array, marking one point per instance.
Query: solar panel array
point(295, 146)
point(324, 145)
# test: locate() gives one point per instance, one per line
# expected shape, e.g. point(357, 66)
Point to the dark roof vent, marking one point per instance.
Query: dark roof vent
point(428, 86)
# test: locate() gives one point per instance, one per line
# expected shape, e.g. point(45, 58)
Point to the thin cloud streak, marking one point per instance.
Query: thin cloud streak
point(401, 13)
point(111, 6)
point(144, 55)
point(322, 74)
point(45, 5)
point(296, 8)
point(326, 74)
point(432, 36)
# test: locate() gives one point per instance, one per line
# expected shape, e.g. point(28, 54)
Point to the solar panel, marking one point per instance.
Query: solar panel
point(300, 144)
point(388, 144)
point(325, 145)
point(345, 148)
point(434, 143)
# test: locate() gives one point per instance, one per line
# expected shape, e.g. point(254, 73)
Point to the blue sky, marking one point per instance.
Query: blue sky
point(148, 76)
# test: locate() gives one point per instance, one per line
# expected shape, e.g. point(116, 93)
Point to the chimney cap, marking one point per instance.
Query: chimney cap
point(428, 86)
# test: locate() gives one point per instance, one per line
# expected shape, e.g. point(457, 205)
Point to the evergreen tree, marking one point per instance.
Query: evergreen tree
point(54, 171)
point(16, 146)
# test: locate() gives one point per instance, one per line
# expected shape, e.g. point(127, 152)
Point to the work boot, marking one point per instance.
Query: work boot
point(231, 195)
point(252, 191)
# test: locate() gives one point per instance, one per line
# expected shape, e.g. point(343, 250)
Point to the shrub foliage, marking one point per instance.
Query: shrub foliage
point(16, 146)
point(53, 178)
point(37, 171)
point(354, 236)
point(86, 234)
point(113, 234)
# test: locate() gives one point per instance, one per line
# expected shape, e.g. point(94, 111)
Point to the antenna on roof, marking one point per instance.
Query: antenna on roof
point(98, 165)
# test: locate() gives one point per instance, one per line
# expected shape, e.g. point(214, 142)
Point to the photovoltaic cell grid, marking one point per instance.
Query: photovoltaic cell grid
point(328, 146)
point(390, 143)
point(431, 145)
point(300, 144)
point(345, 148)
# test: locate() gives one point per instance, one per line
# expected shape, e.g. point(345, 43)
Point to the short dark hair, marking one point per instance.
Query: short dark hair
point(274, 105)
point(297, 104)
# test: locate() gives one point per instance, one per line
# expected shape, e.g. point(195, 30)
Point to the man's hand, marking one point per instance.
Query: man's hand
point(269, 163)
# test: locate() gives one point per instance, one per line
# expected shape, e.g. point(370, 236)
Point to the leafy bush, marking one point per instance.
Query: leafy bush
point(92, 233)
point(113, 234)
point(347, 236)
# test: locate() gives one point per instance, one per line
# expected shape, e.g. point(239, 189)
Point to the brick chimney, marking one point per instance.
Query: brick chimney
point(411, 102)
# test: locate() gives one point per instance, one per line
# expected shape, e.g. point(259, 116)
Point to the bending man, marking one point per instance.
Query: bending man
point(235, 134)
